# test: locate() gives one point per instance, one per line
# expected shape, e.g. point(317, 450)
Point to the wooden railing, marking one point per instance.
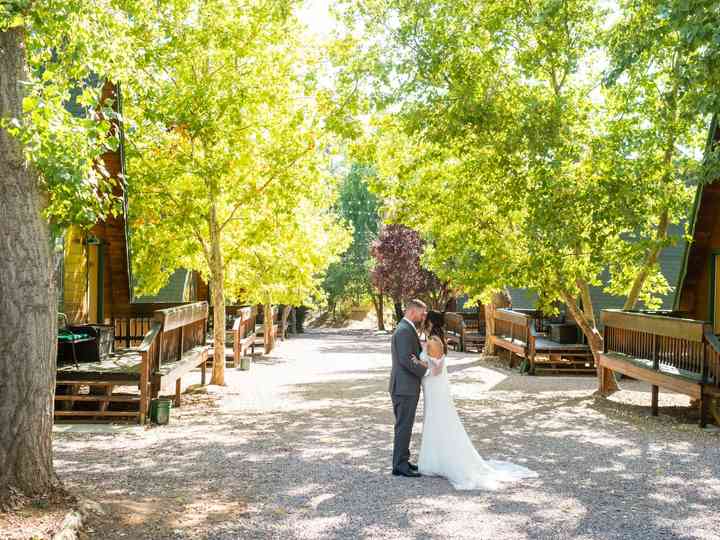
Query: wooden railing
point(173, 332)
point(474, 322)
point(243, 332)
point(513, 325)
point(685, 345)
point(130, 331)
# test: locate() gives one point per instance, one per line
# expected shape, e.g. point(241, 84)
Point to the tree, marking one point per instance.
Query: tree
point(503, 147)
point(49, 176)
point(227, 143)
point(398, 272)
point(350, 277)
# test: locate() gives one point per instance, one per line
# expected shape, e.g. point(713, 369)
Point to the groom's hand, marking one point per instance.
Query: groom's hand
point(415, 360)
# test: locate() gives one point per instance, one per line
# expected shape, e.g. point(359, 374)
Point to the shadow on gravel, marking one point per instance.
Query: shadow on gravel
point(323, 470)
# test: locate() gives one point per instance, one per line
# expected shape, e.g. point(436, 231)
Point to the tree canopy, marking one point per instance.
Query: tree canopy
point(530, 141)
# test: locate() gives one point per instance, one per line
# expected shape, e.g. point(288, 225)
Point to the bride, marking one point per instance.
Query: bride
point(446, 449)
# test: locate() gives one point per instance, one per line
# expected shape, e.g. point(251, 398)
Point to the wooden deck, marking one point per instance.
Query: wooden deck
point(682, 355)
point(121, 386)
point(123, 364)
point(516, 333)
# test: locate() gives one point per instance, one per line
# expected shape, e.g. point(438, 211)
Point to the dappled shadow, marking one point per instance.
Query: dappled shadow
point(321, 469)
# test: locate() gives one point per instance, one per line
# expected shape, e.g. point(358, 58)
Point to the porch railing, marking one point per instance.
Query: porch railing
point(513, 325)
point(685, 346)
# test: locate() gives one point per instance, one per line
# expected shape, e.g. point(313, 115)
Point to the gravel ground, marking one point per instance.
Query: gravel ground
point(300, 447)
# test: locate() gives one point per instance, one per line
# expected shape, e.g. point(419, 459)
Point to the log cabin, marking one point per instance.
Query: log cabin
point(94, 266)
point(110, 339)
point(677, 350)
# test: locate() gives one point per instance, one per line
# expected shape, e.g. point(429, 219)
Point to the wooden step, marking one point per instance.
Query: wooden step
point(94, 382)
point(97, 413)
point(85, 397)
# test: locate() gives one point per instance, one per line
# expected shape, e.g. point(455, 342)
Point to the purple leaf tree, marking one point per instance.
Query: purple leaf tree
point(397, 271)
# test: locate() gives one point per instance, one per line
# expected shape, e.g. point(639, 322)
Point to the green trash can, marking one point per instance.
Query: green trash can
point(160, 410)
point(245, 363)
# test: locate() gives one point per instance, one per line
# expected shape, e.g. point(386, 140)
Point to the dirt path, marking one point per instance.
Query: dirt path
point(299, 447)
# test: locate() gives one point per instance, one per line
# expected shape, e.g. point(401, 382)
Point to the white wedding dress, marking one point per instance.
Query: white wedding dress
point(446, 450)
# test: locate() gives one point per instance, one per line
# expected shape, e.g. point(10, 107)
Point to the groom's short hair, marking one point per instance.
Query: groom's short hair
point(416, 304)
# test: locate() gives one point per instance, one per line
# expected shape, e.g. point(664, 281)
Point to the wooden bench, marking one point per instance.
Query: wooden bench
point(243, 333)
point(173, 346)
point(682, 355)
point(515, 332)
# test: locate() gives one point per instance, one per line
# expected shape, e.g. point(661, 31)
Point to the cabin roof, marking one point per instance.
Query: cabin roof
point(671, 261)
point(179, 288)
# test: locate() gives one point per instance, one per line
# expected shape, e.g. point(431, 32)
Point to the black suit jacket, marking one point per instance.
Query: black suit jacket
point(405, 376)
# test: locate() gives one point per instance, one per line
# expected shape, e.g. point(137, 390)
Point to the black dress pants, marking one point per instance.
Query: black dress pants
point(404, 408)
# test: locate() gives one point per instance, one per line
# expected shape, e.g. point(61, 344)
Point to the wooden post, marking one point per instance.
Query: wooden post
point(656, 367)
point(703, 400)
point(177, 392)
point(180, 346)
point(203, 367)
point(144, 375)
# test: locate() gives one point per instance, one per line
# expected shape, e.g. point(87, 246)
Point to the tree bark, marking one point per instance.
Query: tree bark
point(607, 383)
point(217, 284)
point(28, 303)
point(377, 300)
point(650, 259)
point(587, 303)
point(398, 310)
point(267, 326)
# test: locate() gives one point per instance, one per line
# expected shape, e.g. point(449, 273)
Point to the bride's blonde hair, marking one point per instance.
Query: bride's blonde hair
point(435, 347)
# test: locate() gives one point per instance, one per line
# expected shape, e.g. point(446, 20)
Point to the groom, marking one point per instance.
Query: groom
point(405, 381)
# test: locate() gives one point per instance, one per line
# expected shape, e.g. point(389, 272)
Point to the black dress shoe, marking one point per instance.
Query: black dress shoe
point(413, 467)
point(409, 473)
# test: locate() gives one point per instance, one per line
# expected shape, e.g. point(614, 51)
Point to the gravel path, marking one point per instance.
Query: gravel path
point(300, 446)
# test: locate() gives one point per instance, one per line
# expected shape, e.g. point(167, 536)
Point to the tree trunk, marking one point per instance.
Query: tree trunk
point(217, 285)
point(606, 380)
point(398, 310)
point(267, 327)
point(28, 303)
point(650, 259)
point(381, 312)
point(587, 303)
point(377, 300)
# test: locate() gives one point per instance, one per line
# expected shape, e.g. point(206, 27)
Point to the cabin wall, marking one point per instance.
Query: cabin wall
point(202, 289)
point(81, 260)
point(697, 289)
point(74, 301)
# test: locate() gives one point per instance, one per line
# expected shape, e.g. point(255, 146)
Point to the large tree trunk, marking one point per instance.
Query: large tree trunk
point(28, 303)
point(606, 379)
point(500, 299)
point(217, 282)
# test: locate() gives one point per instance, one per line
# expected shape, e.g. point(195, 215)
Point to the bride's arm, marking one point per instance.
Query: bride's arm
point(437, 365)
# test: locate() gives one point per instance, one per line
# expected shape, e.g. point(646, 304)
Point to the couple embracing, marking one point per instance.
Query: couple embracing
point(446, 450)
